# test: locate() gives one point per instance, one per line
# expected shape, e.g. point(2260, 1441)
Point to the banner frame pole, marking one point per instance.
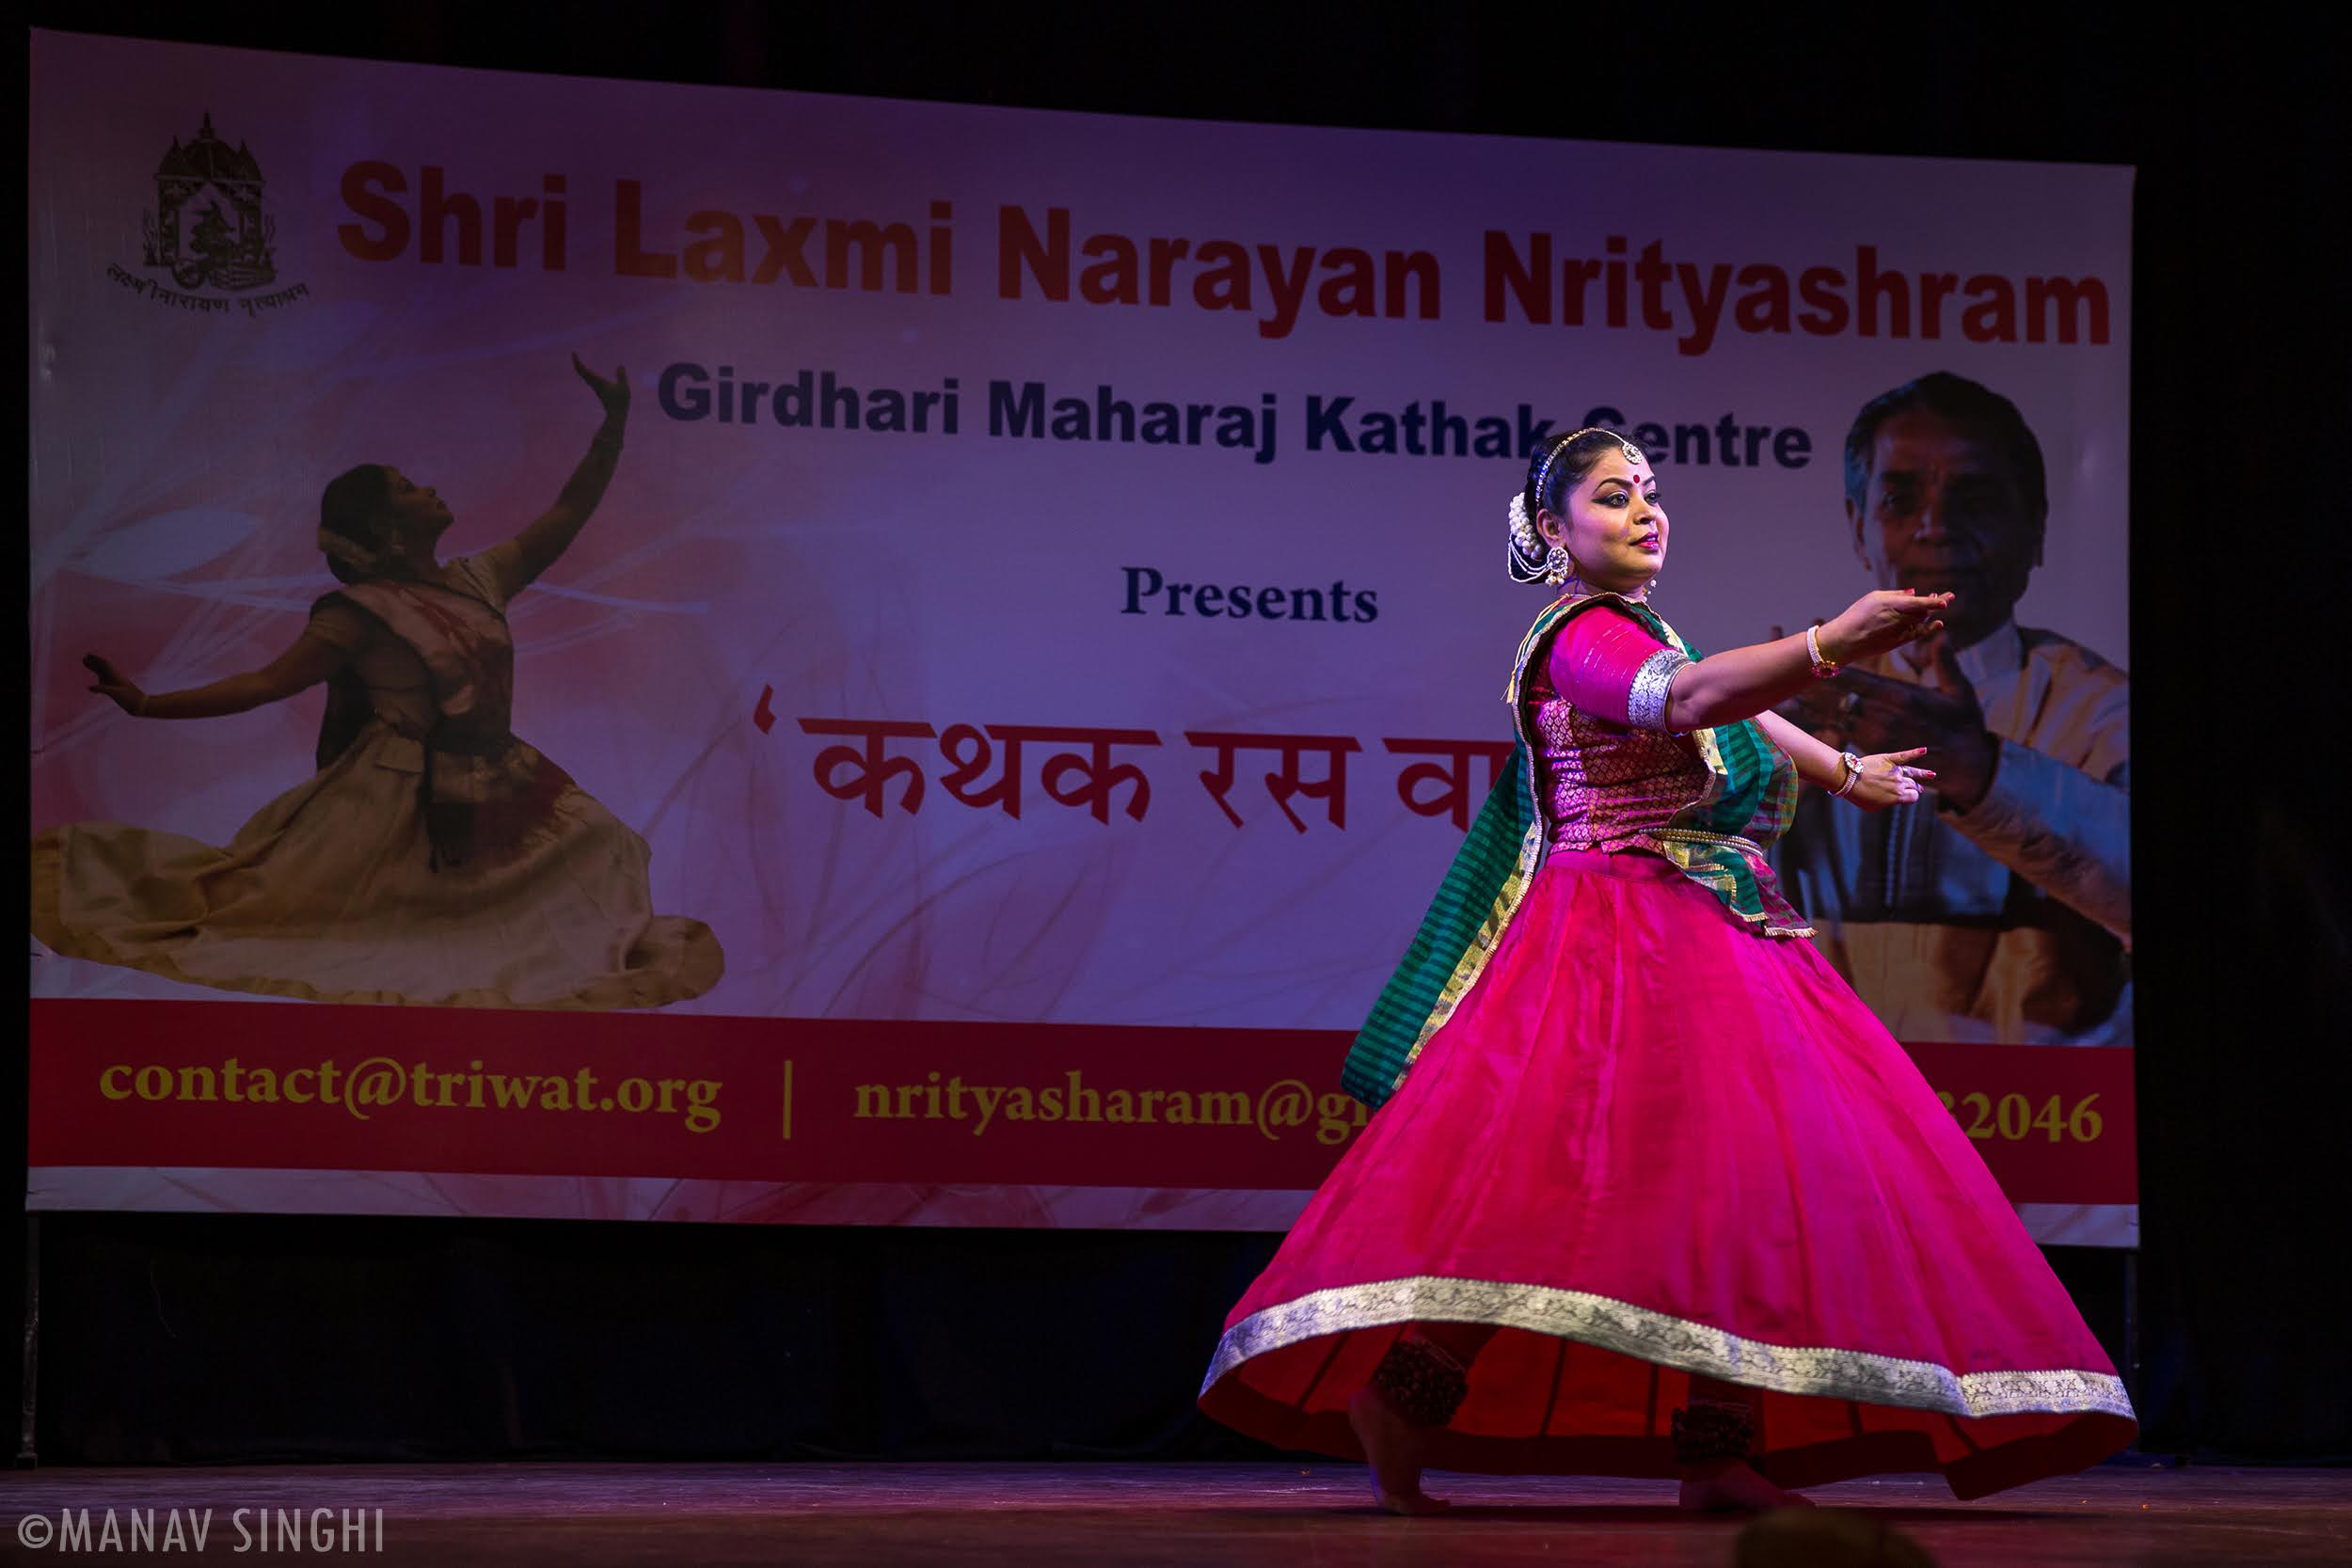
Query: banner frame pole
point(2130, 1325)
point(27, 1456)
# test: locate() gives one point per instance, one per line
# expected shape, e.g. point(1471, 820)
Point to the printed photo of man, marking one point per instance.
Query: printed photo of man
point(1997, 908)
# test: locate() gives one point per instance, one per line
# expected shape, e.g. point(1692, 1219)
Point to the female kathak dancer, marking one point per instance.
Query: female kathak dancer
point(1650, 1193)
point(433, 858)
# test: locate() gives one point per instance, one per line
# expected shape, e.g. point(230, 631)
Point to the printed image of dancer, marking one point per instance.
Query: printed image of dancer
point(1649, 1192)
point(433, 858)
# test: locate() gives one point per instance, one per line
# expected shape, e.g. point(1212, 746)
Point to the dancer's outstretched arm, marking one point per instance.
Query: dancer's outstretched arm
point(537, 546)
point(1818, 762)
point(311, 661)
point(1740, 683)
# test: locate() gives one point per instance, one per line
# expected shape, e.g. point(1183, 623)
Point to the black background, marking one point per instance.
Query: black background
point(209, 1338)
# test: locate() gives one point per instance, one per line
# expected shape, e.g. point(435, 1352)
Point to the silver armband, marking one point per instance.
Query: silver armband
point(1645, 703)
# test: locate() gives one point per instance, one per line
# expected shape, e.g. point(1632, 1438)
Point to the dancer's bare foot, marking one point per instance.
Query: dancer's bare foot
point(1393, 1446)
point(1732, 1486)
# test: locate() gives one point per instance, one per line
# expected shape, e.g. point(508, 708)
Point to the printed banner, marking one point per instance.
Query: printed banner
point(624, 649)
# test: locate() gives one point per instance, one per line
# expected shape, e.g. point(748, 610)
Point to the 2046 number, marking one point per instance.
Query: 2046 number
point(2013, 1118)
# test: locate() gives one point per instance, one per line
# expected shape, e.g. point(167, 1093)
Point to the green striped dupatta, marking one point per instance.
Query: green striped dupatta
point(1750, 786)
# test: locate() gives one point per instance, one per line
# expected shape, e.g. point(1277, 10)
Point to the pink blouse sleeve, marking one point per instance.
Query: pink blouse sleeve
point(1606, 664)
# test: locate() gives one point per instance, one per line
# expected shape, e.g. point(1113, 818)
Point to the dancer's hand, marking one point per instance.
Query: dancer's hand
point(1880, 620)
point(613, 394)
point(1889, 777)
point(115, 686)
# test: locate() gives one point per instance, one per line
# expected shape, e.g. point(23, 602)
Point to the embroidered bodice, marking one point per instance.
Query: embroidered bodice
point(1605, 785)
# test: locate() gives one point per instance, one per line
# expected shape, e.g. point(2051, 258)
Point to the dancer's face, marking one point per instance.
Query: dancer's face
point(1614, 526)
point(414, 515)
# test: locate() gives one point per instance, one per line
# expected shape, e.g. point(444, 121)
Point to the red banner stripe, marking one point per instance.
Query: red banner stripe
point(274, 1085)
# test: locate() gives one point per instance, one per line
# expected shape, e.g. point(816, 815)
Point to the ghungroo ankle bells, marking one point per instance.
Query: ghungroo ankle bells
point(1420, 1382)
point(1709, 1429)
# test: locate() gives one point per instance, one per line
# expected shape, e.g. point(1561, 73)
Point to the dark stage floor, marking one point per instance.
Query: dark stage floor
point(1195, 1515)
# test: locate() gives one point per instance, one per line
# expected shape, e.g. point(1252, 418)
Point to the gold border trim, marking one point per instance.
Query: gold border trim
point(1814, 1371)
point(1745, 846)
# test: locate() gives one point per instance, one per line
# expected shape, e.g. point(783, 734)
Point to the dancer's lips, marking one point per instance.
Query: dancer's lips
point(1648, 542)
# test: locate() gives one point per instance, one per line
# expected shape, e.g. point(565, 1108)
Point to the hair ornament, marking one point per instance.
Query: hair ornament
point(1524, 527)
point(342, 547)
point(1525, 554)
point(1543, 475)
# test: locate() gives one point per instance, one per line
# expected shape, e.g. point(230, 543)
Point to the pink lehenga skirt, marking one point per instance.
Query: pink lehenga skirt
point(1650, 1145)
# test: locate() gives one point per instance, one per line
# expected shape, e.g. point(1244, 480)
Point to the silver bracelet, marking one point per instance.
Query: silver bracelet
point(1854, 774)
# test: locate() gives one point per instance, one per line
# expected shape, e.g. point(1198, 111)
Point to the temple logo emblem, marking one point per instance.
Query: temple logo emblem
point(208, 229)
